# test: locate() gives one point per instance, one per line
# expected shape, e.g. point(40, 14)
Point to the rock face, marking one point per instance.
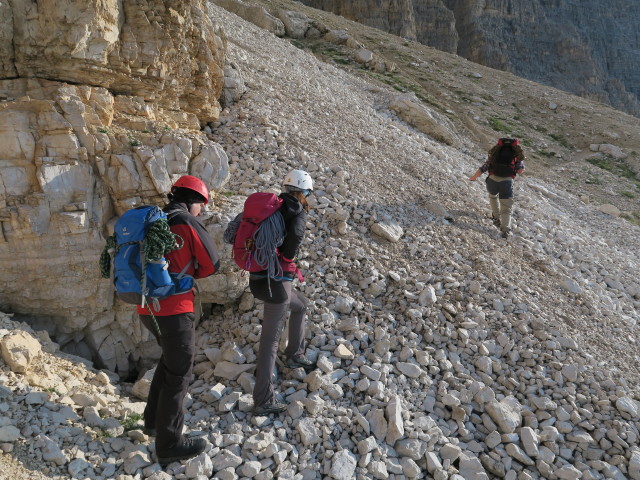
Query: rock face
point(77, 156)
point(168, 55)
point(565, 38)
point(430, 22)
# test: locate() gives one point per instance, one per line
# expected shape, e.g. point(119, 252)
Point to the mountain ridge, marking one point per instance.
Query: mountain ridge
point(586, 48)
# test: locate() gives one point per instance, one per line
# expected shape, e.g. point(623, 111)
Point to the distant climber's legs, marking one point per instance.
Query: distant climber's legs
point(506, 207)
point(501, 199)
point(494, 192)
point(495, 207)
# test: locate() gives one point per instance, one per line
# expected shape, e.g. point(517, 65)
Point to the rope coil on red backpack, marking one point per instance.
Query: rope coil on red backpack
point(267, 238)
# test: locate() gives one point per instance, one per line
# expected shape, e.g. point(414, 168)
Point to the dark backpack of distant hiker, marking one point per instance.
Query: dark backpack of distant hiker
point(503, 163)
point(134, 258)
point(257, 233)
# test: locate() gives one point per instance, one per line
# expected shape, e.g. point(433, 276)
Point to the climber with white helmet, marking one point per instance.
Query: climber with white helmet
point(274, 284)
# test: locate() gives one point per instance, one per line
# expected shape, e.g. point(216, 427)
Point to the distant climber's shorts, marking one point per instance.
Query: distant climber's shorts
point(503, 187)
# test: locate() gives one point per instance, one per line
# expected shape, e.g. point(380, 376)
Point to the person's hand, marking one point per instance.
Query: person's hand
point(473, 178)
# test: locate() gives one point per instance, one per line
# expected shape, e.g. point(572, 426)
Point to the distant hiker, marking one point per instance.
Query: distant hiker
point(175, 318)
point(274, 284)
point(505, 161)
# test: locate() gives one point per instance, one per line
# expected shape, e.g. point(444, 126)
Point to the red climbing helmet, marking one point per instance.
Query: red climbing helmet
point(192, 183)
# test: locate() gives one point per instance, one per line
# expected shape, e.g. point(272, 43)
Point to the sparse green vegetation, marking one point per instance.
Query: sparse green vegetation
point(498, 125)
point(593, 181)
point(102, 434)
point(628, 194)
point(601, 162)
point(544, 153)
point(633, 217)
point(615, 166)
point(133, 141)
point(338, 56)
point(103, 130)
point(560, 139)
point(130, 423)
point(297, 44)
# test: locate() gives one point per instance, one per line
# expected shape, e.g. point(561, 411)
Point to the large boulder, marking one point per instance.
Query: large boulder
point(409, 108)
point(18, 350)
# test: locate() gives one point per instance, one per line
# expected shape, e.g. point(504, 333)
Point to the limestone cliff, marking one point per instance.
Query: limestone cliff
point(589, 48)
point(163, 51)
point(101, 104)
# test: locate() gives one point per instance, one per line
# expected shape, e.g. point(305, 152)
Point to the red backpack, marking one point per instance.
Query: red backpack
point(503, 163)
point(246, 249)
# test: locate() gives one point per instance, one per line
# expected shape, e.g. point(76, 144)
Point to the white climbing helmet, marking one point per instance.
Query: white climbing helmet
point(299, 179)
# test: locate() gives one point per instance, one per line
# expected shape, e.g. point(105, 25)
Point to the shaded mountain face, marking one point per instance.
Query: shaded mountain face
point(589, 48)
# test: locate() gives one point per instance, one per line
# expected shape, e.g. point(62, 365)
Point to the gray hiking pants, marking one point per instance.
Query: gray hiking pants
point(501, 199)
point(272, 325)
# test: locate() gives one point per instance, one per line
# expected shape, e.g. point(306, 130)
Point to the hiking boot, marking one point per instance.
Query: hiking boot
point(506, 233)
point(496, 221)
point(187, 448)
point(298, 361)
point(267, 408)
point(150, 431)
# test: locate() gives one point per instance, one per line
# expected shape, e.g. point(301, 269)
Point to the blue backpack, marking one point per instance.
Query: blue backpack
point(140, 272)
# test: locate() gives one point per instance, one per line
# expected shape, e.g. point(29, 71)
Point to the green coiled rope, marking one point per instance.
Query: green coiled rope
point(160, 240)
point(105, 257)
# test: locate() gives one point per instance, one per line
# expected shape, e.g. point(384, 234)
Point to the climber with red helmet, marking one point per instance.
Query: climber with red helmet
point(175, 317)
point(504, 162)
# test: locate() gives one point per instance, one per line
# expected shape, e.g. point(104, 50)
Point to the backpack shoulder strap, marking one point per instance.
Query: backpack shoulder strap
point(173, 214)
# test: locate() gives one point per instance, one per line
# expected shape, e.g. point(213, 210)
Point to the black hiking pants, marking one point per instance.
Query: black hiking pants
point(171, 379)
